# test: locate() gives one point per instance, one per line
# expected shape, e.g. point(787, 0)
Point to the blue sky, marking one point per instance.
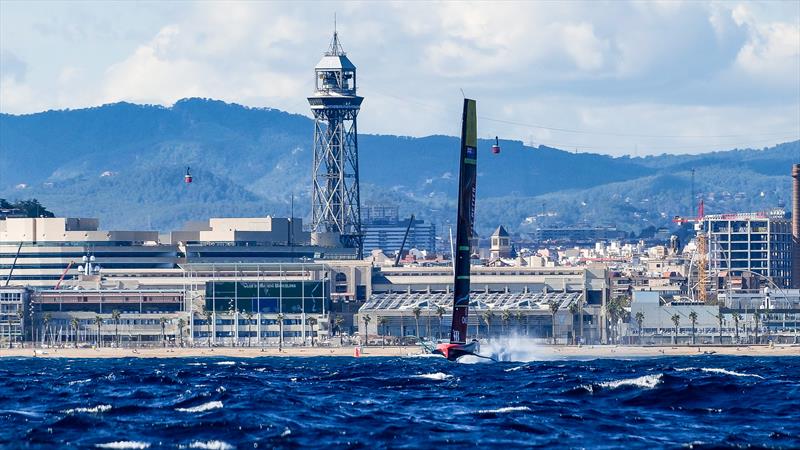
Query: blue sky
point(610, 77)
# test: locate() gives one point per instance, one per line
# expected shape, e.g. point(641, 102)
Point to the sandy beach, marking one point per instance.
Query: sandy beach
point(545, 352)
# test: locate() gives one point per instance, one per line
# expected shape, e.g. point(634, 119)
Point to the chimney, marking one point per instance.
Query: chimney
point(796, 226)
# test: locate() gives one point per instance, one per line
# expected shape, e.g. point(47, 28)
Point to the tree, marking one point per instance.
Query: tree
point(208, 315)
point(30, 208)
point(574, 308)
point(312, 322)
point(518, 317)
point(163, 321)
point(47, 318)
point(488, 317)
point(339, 321)
point(676, 319)
point(74, 325)
point(115, 315)
point(417, 311)
point(440, 312)
point(181, 325)
point(553, 310)
point(640, 321)
point(756, 318)
point(720, 317)
point(21, 317)
point(98, 321)
point(382, 321)
point(693, 318)
point(280, 332)
point(505, 319)
point(736, 317)
point(366, 320)
point(249, 316)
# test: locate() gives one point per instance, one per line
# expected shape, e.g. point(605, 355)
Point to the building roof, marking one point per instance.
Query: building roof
point(478, 301)
point(500, 231)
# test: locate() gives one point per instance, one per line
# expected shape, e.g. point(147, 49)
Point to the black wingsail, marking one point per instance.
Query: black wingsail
point(467, 183)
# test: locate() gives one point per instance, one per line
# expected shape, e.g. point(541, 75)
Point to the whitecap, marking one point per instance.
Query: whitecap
point(196, 364)
point(93, 410)
point(438, 376)
point(226, 363)
point(201, 408)
point(514, 369)
point(286, 432)
point(729, 372)
point(72, 383)
point(507, 409)
point(646, 381)
point(211, 445)
point(124, 445)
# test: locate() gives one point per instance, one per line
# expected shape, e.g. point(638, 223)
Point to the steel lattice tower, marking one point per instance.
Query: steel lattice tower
point(335, 200)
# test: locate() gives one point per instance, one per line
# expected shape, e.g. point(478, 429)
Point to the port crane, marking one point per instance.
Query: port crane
point(702, 251)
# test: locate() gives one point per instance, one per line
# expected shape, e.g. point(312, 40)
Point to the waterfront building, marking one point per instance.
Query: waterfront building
point(750, 243)
point(384, 230)
point(12, 314)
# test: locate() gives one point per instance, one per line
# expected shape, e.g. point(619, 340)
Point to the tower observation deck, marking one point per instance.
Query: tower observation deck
point(335, 200)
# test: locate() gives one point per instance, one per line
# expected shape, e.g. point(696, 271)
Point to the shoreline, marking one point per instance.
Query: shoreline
point(539, 352)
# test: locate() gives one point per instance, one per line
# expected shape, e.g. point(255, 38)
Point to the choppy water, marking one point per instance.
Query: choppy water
point(399, 403)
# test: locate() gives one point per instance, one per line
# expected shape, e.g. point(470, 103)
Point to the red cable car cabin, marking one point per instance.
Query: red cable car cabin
point(496, 146)
point(188, 177)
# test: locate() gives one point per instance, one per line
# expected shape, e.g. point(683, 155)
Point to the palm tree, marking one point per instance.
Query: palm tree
point(676, 319)
point(693, 318)
point(115, 314)
point(440, 312)
point(181, 325)
point(163, 321)
point(553, 310)
point(518, 317)
point(280, 332)
point(640, 321)
point(417, 311)
point(208, 316)
point(74, 324)
point(366, 320)
point(381, 321)
point(505, 318)
point(249, 316)
point(99, 321)
point(312, 322)
point(488, 316)
point(756, 317)
point(573, 310)
point(736, 317)
point(47, 318)
point(720, 316)
point(21, 317)
point(339, 321)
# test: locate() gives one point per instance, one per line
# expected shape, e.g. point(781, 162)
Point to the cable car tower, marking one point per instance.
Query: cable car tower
point(335, 200)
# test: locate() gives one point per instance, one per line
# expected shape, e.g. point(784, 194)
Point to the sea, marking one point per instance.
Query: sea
point(704, 401)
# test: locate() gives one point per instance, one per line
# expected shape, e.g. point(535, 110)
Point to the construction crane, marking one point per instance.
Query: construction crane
point(702, 251)
point(64, 274)
point(13, 264)
point(403, 244)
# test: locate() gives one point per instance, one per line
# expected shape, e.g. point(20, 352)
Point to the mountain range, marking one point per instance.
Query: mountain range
point(124, 163)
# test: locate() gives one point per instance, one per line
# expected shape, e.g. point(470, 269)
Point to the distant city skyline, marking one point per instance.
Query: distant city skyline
point(617, 78)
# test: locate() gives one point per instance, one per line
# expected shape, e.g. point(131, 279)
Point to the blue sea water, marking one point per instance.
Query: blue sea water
point(324, 402)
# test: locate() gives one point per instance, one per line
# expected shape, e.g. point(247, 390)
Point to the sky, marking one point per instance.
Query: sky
point(618, 77)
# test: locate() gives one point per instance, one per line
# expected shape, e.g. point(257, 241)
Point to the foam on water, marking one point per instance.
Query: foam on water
point(226, 363)
point(201, 408)
point(211, 445)
point(93, 410)
point(646, 382)
point(513, 349)
point(719, 371)
point(72, 383)
point(438, 376)
point(507, 409)
point(124, 445)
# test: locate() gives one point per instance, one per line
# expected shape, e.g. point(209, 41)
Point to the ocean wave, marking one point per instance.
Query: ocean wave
point(124, 445)
point(211, 445)
point(646, 381)
point(201, 408)
point(514, 369)
point(719, 371)
point(93, 410)
point(438, 376)
point(72, 383)
point(507, 409)
point(226, 363)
